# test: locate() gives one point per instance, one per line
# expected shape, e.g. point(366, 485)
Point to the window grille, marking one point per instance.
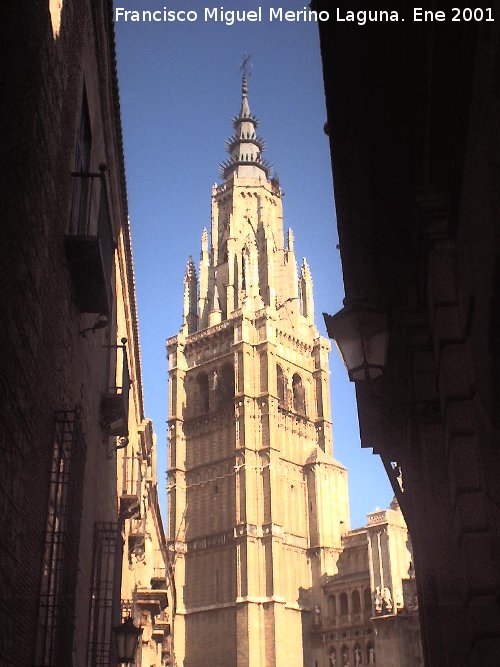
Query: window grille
point(55, 627)
point(104, 583)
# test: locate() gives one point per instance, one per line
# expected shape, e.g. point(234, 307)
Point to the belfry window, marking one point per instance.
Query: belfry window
point(299, 395)
point(225, 384)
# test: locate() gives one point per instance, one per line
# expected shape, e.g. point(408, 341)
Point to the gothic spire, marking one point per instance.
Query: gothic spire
point(190, 297)
point(245, 147)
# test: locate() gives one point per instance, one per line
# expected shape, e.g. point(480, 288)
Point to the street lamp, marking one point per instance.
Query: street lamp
point(127, 635)
point(360, 332)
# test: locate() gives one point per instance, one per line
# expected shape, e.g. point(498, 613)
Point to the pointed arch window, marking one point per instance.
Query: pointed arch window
point(367, 599)
point(281, 386)
point(332, 606)
point(370, 654)
point(203, 402)
point(357, 655)
point(244, 270)
point(299, 395)
point(225, 384)
point(263, 372)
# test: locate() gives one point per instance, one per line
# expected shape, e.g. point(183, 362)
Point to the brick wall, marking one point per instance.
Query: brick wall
point(45, 364)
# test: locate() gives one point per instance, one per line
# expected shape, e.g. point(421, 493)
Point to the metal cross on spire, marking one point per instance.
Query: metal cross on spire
point(245, 69)
point(246, 65)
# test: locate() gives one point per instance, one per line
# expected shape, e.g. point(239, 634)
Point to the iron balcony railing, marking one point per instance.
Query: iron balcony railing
point(115, 402)
point(131, 476)
point(90, 243)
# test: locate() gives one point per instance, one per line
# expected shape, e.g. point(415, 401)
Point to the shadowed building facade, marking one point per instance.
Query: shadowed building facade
point(413, 114)
point(71, 405)
point(257, 505)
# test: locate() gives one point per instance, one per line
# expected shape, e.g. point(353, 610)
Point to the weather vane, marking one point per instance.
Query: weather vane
point(246, 65)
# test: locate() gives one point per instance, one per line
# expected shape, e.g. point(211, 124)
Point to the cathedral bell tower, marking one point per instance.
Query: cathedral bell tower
point(257, 505)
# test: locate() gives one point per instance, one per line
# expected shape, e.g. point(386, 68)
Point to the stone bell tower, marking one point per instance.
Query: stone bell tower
point(257, 504)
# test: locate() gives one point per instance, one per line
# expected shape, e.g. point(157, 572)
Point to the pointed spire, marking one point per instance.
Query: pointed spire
point(190, 269)
point(190, 297)
point(204, 280)
point(306, 291)
point(204, 240)
point(245, 148)
point(216, 298)
point(245, 107)
point(215, 315)
point(245, 69)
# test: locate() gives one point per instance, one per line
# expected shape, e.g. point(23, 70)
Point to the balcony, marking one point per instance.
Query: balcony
point(159, 579)
point(161, 627)
point(114, 404)
point(137, 538)
point(89, 245)
point(154, 601)
point(131, 486)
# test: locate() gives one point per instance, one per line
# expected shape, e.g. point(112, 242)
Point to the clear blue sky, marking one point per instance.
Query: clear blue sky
point(180, 86)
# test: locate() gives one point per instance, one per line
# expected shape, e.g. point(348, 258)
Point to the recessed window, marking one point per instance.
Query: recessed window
point(299, 395)
point(281, 385)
